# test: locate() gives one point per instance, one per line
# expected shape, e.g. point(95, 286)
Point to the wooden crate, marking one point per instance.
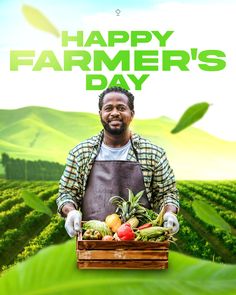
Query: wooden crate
point(121, 254)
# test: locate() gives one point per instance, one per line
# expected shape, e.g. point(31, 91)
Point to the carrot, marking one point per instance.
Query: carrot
point(146, 225)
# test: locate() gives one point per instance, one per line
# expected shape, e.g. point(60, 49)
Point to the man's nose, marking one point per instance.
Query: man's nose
point(115, 112)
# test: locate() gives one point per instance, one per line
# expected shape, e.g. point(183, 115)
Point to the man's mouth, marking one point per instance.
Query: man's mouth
point(115, 122)
point(114, 126)
point(114, 119)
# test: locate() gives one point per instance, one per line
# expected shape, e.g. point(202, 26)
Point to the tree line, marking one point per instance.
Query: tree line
point(31, 170)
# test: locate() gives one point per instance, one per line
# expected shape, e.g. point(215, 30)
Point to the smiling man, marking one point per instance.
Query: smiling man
point(112, 161)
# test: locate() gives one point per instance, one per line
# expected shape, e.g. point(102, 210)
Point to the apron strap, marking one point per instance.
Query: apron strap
point(135, 151)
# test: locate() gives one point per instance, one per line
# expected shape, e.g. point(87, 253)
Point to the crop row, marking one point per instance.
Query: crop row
point(187, 195)
point(217, 236)
point(218, 199)
point(13, 216)
point(25, 233)
point(15, 192)
point(190, 242)
point(10, 201)
point(53, 233)
point(226, 192)
point(14, 240)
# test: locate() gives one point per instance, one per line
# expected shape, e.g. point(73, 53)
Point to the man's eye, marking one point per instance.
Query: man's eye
point(122, 108)
point(107, 109)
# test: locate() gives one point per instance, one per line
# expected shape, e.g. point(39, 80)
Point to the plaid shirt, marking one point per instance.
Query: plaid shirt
point(158, 176)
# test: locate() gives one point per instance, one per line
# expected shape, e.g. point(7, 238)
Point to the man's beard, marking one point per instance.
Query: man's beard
point(115, 131)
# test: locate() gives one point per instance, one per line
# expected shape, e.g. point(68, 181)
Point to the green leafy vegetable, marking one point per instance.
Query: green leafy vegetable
point(209, 215)
point(191, 115)
point(35, 202)
point(53, 271)
point(38, 20)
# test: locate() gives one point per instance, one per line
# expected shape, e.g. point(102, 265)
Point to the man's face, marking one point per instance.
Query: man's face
point(115, 113)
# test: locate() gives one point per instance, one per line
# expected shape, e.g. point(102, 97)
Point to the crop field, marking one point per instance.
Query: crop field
point(23, 231)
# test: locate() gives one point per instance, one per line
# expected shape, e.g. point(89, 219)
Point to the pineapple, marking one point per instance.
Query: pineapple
point(131, 208)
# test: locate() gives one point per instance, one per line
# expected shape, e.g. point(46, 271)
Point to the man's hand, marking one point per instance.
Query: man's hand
point(171, 221)
point(73, 222)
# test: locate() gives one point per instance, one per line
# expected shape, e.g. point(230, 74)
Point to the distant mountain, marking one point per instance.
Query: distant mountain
point(43, 133)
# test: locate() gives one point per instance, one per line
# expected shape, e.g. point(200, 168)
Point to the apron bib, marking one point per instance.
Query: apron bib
point(108, 179)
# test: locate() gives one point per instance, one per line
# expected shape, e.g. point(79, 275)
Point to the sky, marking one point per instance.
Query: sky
point(196, 24)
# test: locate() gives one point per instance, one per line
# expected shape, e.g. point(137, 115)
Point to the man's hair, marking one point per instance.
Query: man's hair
point(120, 90)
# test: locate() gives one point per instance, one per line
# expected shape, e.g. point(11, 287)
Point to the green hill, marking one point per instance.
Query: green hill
point(48, 134)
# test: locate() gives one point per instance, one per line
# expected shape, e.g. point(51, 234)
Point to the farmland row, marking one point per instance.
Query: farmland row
point(227, 192)
point(10, 218)
point(13, 240)
point(25, 231)
point(188, 195)
point(209, 195)
point(12, 192)
point(223, 243)
point(190, 242)
point(53, 233)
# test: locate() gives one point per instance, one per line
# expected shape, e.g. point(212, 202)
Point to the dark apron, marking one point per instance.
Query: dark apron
point(107, 179)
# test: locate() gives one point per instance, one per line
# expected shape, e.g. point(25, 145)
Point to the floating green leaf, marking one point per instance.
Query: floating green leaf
point(35, 202)
point(191, 115)
point(38, 20)
point(53, 271)
point(209, 215)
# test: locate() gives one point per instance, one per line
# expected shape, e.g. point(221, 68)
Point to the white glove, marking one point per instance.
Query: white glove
point(73, 222)
point(171, 221)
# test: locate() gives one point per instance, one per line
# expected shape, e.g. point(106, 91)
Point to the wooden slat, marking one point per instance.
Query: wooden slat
point(135, 245)
point(123, 264)
point(122, 254)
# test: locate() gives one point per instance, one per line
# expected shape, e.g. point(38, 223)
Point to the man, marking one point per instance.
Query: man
point(109, 163)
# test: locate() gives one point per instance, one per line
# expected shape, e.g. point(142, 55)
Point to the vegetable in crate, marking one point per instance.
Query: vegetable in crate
point(99, 226)
point(113, 221)
point(125, 232)
point(154, 234)
point(130, 208)
point(92, 234)
point(146, 225)
point(134, 222)
point(157, 219)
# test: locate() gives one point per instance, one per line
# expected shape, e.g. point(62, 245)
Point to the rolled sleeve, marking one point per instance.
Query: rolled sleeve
point(164, 185)
point(69, 185)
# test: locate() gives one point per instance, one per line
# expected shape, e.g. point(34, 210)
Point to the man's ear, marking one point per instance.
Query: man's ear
point(132, 113)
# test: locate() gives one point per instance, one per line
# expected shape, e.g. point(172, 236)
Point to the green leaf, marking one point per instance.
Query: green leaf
point(138, 196)
point(35, 202)
point(53, 272)
point(191, 115)
point(209, 215)
point(38, 20)
point(130, 196)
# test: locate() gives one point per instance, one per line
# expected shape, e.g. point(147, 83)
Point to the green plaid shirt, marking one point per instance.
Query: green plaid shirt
point(158, 176)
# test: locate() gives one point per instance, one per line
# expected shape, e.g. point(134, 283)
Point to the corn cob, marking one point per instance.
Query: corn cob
point(133, 222)
point(159, 220)
point(151, 233)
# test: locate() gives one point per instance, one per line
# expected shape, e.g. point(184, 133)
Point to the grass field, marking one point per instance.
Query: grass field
point(46, 134)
